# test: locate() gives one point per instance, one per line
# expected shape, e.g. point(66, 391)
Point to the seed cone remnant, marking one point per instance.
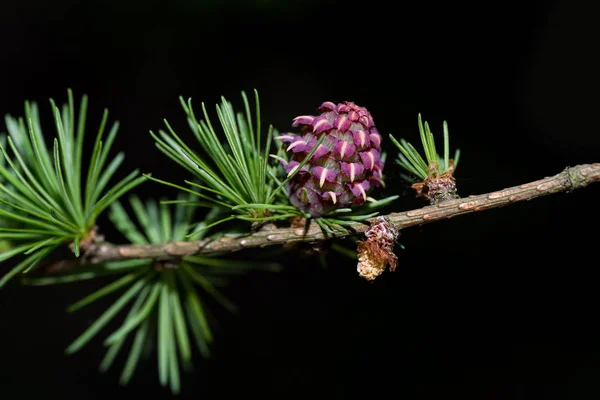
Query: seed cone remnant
point(345, 166)
point(377, 251)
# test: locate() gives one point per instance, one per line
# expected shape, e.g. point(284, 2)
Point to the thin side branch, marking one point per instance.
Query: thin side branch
point(566, 181)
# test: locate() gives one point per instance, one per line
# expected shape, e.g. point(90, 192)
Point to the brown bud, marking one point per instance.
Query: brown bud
point(437, 187)
point(377, 251)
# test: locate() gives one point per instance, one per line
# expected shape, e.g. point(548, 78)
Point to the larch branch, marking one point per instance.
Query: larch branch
point(568, 180)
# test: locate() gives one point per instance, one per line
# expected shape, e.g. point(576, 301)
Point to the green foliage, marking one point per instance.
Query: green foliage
point(234, 172)
point(165, 300)
point(410, 159)
point(46, 202)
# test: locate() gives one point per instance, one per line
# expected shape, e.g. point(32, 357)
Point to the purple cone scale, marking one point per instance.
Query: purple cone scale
point(345, 166)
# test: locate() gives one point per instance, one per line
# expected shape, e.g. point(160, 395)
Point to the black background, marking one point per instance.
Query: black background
point(495, 305)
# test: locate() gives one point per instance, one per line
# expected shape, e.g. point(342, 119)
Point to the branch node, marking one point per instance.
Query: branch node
point(577, 178)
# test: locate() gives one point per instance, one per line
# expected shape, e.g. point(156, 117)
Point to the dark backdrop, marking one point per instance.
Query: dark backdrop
point(497, 305)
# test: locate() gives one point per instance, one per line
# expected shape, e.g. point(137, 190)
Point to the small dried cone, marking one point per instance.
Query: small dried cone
point(377, 251)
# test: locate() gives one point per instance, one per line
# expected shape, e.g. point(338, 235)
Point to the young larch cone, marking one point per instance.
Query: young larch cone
point(345, 166)
point(377, 251)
